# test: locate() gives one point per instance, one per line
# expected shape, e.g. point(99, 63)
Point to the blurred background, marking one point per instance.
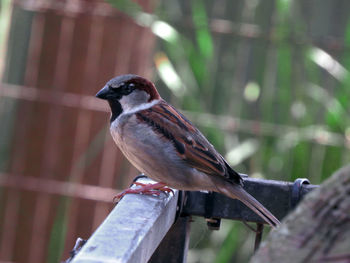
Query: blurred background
point(267, 81)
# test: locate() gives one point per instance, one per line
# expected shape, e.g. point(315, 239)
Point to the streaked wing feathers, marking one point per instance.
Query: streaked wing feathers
point(189, 142)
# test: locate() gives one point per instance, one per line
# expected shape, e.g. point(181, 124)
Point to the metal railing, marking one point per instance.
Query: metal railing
point(143, 228)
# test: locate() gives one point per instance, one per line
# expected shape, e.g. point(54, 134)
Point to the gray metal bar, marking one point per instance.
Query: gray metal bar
point(274, 195)
point(132, 231)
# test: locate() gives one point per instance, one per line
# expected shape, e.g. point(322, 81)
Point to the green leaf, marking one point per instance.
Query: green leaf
point(58, 232)
point(229, 246)
point(200, 20)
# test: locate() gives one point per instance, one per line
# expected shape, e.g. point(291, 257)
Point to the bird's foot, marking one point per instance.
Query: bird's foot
point(146, 189)
point(157, 187)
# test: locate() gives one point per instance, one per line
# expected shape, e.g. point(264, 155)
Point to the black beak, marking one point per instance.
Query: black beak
point(103, 93)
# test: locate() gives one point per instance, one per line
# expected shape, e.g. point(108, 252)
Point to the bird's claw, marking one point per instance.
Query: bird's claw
point(146, 189)
point(157, 187)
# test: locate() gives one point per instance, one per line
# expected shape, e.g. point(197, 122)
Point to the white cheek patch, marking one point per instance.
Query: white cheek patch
point(141, 107)
point(125, 102)
point(136, 101)
point(129, 108)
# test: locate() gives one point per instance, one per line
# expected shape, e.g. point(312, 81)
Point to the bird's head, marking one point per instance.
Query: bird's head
point(128, 92)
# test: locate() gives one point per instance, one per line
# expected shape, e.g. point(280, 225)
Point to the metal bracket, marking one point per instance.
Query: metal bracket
point(258, 235)
point(213, 223)
point(296, 194)
point(180, 204)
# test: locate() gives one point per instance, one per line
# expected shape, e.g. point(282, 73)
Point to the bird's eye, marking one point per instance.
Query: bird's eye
point(128, 88)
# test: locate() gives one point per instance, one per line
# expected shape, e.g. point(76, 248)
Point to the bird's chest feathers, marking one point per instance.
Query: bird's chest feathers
point(138, 142)
point(121, 131)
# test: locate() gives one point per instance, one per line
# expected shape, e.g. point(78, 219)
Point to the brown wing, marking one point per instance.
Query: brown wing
point(189, 142)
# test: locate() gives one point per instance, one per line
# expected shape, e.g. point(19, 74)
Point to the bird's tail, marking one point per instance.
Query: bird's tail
point(237, 192)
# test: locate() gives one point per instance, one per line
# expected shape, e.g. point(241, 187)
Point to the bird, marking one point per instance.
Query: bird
point(163, 144)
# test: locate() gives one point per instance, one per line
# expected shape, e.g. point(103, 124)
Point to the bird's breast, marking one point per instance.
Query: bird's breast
point(144, 148)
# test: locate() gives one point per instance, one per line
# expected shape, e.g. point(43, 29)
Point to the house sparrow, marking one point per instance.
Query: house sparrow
point(161, 143)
